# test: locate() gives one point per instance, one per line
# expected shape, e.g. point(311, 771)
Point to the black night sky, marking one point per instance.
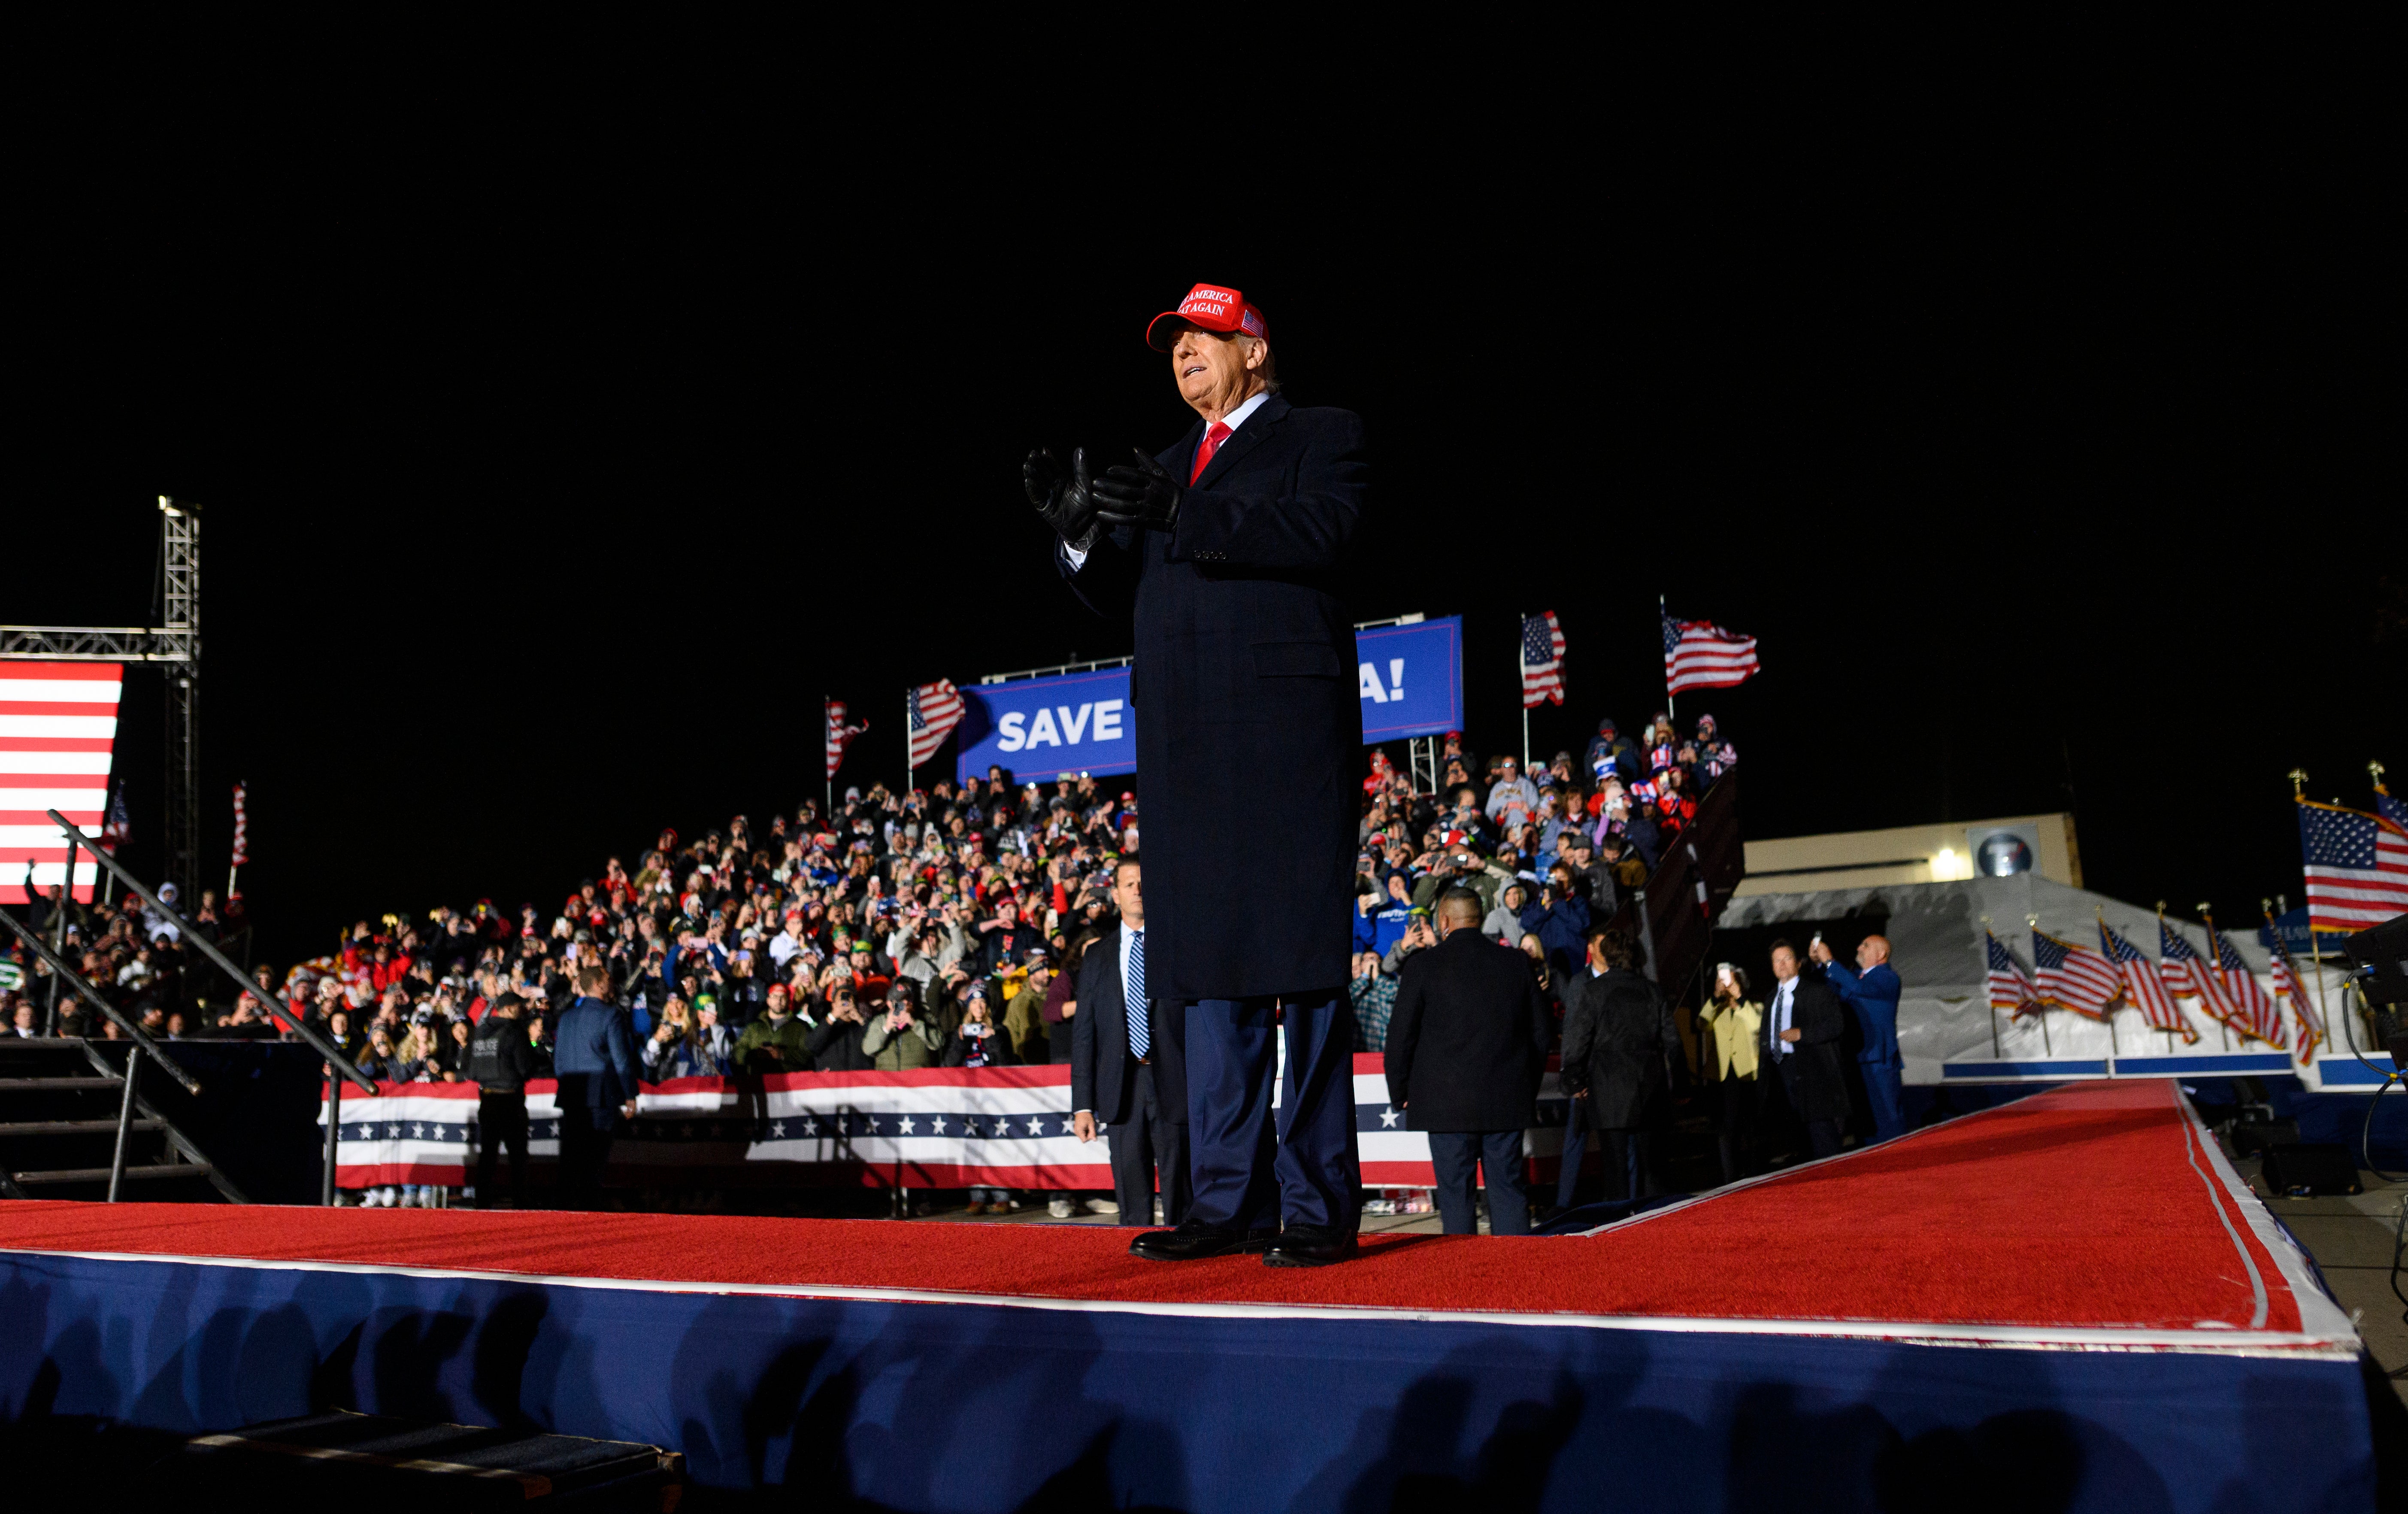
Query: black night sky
point(531, 526)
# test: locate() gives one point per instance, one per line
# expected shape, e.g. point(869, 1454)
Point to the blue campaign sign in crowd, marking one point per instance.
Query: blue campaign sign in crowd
point(1410, 678)
point(1041, 730)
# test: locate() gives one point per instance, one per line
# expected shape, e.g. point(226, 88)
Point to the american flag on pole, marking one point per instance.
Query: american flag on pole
point(2010, 990)
point(58, 722)
point(2356, 865)
point(119, 827)
point(241, 836)
point(2073, 977)
point(2389, 808)
point(1542, 659)
point(2288, 985)
point(2259, 1015)
point(2143, 987)
point(935, 708)
point(1699, 654)
point(2188, 976)
point(840, 734)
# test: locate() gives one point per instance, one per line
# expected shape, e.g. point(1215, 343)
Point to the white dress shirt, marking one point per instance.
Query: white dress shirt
point(1779, 1019)
point(1078, 559)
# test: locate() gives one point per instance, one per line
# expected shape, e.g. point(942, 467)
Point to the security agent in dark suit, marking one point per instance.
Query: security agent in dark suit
point(1228, 554)
point(593, 1054)
point(1126, 1069)
point(1622, 1053)
point(1467, 1047)
point(1803, 1026)
point(500, 1062)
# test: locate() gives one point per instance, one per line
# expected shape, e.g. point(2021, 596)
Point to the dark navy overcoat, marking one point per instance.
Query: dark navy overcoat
point(1248, 724)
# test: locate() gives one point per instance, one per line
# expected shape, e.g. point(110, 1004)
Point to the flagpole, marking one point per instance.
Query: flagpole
point(1662, 615)
point(1522, 672)
point(1998, 1052)
point(828, 749)
point(910, 767)
point(2299, 777)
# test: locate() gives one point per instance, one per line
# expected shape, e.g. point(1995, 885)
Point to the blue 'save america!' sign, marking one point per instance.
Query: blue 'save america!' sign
point(1410, 679)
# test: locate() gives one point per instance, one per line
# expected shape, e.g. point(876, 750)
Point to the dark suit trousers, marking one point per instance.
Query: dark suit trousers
point(1142, 1144)
point(1822, 1136)
point(1498, 1154)
point(501, 1121)
point(585, 1150)
point(1243, 1180)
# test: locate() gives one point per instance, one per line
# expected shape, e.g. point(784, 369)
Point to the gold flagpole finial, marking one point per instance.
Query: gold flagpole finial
point(2299, 781)
point(2375, 769)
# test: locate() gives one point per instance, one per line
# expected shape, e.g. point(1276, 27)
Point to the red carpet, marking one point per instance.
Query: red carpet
point(2084, 1207)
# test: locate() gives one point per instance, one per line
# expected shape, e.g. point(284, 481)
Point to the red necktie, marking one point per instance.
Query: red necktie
point(1214, 435)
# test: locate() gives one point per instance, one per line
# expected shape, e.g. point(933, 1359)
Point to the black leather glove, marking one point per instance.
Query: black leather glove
point(1065, 504)
point(1145, 494)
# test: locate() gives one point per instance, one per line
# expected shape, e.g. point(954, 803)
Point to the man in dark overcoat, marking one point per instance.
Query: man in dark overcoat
point(1227, 552)
point(1622, 1049)
point(1467, 1048)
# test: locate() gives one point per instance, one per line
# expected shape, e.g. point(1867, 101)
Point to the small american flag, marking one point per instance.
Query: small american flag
point(2259, 1015)
point(2010, 990)
point(2188, 976)
point(2143, 987)
point(2357, 866)
point(119, 827)
point(2073, 977)
point(2286, 986)
point(1542, 659)
point(936, 709)
point(1699, 654)
point(840, 734)
point(241, 833)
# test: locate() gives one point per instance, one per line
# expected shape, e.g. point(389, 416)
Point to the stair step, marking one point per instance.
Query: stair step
point(100, 1174)
point(72, 1127)
point(56, 1085)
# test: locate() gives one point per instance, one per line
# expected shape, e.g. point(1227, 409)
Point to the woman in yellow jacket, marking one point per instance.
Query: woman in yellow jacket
point(1737, 1025)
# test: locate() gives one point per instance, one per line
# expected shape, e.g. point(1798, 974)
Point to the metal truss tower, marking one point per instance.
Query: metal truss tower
point(177, 645)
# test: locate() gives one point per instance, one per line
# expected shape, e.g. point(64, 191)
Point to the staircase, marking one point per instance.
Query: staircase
point(1673, 917)
point(60, 1101)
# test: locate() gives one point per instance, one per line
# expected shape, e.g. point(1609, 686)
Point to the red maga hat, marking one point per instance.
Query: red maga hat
point(1212, 307)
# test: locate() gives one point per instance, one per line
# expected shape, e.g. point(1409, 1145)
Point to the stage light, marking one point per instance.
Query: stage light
point(1944, 866)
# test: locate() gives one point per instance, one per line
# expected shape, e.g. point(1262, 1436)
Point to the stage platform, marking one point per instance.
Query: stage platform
point(2070, 1301)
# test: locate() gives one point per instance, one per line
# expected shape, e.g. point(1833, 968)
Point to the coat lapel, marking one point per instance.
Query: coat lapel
point(1247, 437)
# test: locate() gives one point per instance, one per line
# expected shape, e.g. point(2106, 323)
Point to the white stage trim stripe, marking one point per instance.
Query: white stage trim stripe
point(16, 840)
point(66, 800)
point(60, 690)
point(49, 874)
point(102, 728)
point(2231, 1343)
point(94, 763)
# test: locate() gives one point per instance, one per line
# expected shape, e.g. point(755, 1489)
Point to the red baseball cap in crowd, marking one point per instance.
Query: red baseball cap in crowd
point(1212, 307)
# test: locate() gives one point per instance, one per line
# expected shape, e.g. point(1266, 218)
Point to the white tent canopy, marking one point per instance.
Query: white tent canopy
point(1944, 1014)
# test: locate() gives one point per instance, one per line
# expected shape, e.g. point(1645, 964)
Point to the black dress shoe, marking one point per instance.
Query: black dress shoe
point(1191, 1243)
point(1309, 1246)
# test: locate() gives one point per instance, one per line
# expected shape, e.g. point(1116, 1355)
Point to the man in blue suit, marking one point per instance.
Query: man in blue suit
point(1227, 553)
point(595, 1055)
point(1127, 1071)
point(1871, 993)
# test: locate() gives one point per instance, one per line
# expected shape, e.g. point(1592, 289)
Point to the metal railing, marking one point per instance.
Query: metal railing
point(339, 1067)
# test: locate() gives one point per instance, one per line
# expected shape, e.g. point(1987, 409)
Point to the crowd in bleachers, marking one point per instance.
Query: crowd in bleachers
point(936, 928)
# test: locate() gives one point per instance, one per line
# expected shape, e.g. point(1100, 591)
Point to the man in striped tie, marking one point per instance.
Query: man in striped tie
point(1228, 553)
point(1127, 1075)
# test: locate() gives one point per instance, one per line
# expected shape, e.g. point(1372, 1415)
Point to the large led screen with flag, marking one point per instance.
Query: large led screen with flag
point(58, 725)
point(1410, 679)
